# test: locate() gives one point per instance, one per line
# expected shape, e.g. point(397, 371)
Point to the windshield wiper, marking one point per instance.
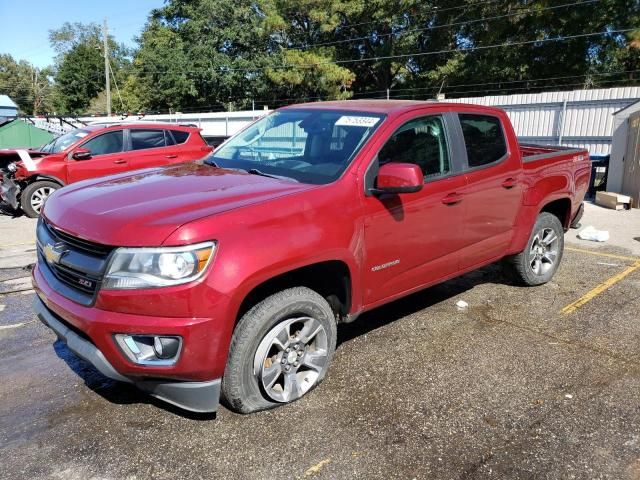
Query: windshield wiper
point(212, 163)
point(255, 171)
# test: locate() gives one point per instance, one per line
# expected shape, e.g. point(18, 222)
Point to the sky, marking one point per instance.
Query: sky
point(25, 24)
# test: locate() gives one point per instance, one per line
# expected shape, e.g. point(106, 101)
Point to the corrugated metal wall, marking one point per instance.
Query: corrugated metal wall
point(579, 118)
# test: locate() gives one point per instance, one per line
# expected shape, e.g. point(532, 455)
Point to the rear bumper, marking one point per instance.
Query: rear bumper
point(193, 396)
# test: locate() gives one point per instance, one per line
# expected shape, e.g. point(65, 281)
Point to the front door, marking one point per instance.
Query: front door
point(412, 240)
point(107, 157)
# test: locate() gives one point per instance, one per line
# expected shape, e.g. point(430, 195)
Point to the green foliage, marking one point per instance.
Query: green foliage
point(79, 72)
point(28, 86)
point(213, 55)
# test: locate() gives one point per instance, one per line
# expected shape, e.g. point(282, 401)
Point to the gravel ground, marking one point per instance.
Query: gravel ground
point(508, 388)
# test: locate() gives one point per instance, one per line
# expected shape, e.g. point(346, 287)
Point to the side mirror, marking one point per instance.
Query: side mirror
point(398, 178)
point(81, 154)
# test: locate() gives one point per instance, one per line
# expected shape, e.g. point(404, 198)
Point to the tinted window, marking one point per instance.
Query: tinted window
point(141, 139)
point(421, 141)
point(180, 136)
point(483, 138)
point(110, 142)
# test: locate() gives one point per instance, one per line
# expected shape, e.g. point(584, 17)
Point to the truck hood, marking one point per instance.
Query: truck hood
point(144, 208)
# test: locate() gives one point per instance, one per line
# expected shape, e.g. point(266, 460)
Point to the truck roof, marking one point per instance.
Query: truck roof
point(383, 106)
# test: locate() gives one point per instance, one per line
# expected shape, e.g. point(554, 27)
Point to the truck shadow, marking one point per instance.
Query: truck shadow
point(124, 394)
point(389, 313)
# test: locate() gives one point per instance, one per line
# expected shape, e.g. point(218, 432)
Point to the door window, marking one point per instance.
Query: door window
point(143, 139)
point(484, 139)
point(421, 141)
point(110, 142)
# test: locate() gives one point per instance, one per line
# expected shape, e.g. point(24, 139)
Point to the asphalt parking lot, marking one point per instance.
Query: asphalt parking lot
point(525, 383)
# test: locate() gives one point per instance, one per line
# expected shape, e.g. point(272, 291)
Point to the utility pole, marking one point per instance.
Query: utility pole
point(107, 83)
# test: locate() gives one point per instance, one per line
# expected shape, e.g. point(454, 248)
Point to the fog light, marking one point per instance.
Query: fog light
point(159, 350)
point(166, 347)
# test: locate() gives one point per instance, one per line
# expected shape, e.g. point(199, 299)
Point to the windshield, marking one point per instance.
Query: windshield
point(62, 142)
point(309, 146)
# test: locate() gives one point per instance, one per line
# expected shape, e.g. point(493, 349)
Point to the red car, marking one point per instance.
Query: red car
point(30, 176)
point(228, 276)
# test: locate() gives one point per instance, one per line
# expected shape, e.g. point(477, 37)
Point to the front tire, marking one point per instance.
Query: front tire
point(280, 351)
point(540, 260)
point(35, 195)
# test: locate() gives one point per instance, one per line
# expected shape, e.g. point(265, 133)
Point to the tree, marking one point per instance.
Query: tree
point(28, 86)
point(79, 73)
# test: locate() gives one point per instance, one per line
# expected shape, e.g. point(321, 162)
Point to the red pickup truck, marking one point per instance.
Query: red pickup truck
point(28, 177)
point(227, 277)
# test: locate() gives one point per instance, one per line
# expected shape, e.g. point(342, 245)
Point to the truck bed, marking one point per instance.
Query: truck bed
point(532, 151)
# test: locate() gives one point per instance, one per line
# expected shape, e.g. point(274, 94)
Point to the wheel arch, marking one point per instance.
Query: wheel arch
point(45, 178)
point(561, 208)
point(331, 278)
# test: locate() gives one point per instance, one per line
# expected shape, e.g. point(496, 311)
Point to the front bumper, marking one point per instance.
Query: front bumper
point(9, 191)
point(202, 397)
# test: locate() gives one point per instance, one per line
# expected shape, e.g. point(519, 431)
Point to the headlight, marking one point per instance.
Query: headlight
point(157, 267)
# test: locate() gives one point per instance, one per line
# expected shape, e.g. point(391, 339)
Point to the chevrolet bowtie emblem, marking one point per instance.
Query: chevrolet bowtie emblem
point(53, 253)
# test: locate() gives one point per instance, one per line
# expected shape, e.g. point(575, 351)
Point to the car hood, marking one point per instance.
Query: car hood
point(144, 208)
point(8, 156)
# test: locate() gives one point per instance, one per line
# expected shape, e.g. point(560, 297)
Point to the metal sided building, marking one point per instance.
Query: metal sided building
point(578, 118)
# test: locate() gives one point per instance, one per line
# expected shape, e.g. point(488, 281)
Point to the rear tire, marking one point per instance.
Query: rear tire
point(280, 351)
point(540, 259)
point(35, 195)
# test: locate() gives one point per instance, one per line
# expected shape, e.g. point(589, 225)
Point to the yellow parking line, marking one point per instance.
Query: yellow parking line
point(590, 295)
point(601, 254)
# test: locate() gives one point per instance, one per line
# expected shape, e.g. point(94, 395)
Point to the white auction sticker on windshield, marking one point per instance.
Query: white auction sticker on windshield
point(81, 134)
point(356, 121)
point(26, 160)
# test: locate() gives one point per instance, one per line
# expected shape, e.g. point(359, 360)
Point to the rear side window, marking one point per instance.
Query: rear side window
point(180, 136)
point(110, 142)
point(141, 139)
point(484, 139)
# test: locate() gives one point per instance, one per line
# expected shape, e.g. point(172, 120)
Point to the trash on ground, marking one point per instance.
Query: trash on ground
point(591, 233)
point(617, 201)
point(569, 396)
point(462, 305)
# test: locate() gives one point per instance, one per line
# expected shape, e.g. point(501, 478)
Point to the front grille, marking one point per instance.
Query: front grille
point(86, 245)
point(74, 265)
point(75, 279)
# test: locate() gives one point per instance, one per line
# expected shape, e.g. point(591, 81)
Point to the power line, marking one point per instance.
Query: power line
point(454, 24)
point(435, 8)
point(406, 55)
point(504, 82)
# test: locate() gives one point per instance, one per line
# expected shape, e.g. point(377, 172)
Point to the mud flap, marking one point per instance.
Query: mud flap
point(575, 223)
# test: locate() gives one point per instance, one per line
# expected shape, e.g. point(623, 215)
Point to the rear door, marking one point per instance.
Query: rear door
point(413, 239)
point(493, 193)
point(107, 157)
point(150, 147)
point(189, 144)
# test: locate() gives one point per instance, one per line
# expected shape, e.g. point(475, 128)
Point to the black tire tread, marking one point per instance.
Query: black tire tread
point(234, 384)
point(519, 261)
point(25, 203)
